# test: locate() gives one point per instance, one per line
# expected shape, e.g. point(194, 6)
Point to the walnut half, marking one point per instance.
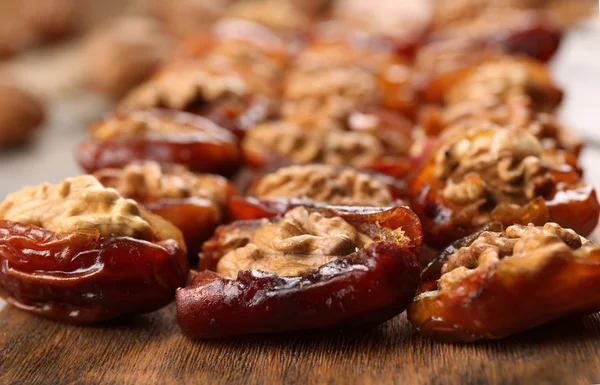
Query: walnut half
point(299, 244)
point(149, 181)
point(322, 183)
point(492, 166)
point(517, 241)
point(77, 204)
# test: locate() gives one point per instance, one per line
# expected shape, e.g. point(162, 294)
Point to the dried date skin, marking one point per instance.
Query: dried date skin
point(367, 287)
point(209, 149)
point(197, 219)
point(501, 299)
point(83, 278)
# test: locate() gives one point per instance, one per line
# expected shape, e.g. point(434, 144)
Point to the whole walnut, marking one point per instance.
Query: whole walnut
point(20, 114)
point(50, 19)
point(123, 53)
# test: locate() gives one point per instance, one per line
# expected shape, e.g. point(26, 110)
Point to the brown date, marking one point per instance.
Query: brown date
point(467, 183)
point(167, 137)
point(511, 31)
point(371, 284)
point(320, 185)
point(85, 278)
point(503, 282)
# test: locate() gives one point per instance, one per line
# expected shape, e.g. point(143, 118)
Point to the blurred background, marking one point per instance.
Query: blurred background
point(64, 63)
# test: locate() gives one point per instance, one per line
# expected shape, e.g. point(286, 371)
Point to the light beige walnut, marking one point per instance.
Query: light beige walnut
point(252, 57)
point(299, 244)
point(529, 246)
point(149, 181)
point(322, 183)
point(180, 87)
point(395, 18)
point(124, 52)
point(80, 204)
point(502, 79)
point(359, 147)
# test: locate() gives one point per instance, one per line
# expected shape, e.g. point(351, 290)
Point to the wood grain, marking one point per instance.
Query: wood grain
point(150, 350)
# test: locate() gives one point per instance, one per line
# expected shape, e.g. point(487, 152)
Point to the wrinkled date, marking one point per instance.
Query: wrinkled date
point(366, 287)
point(230, 76)
point(84, 278)
point(503, 282)
point(166, 137)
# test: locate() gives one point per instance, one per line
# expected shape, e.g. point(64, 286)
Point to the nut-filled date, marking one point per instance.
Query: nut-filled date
point(84, 278)
point(273, 291)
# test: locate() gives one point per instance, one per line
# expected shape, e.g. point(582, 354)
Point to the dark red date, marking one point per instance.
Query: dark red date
point(365, 288)
point(83, 278)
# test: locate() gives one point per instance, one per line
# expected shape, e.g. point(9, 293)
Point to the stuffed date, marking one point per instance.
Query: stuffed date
point(275, 193)
point(487, 173)
point(504, 282)
point(167, 137)
point(230, 77)
point(78, 252)
point(310, 269)
point(195, 203)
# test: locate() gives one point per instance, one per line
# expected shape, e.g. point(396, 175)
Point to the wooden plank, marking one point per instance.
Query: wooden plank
point(150, 350)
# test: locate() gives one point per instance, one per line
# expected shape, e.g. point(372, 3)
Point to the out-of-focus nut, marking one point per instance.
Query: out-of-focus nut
point(322, 183)
point(148, 181)
point(20, 114)
point(282, 16)
point(189, 17)
point(286, 140)
point(51, 19)
point(123, 53)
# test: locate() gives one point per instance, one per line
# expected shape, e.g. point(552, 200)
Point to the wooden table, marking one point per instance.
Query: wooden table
point(150, 350)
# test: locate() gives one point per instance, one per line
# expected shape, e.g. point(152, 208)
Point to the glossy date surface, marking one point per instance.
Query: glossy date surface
point(205, 147)
point(367, 287)
point(83, 278)
point(511, 296)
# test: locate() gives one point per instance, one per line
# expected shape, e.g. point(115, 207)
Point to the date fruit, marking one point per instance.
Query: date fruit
point(312, 269)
